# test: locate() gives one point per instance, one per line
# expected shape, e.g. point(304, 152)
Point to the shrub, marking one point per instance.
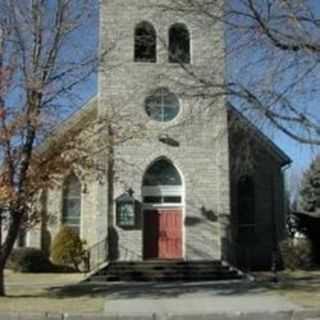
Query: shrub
point(309, 226)
point(68, 248)
point(296, 253)
point(29, 260)
point(308, 220)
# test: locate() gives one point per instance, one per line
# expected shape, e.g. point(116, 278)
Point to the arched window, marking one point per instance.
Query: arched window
point(246, 208)
point(71, 214)
point(162, 105)
point(162, 173)
point(145, 43)
point(179, 44)
point(162, 183)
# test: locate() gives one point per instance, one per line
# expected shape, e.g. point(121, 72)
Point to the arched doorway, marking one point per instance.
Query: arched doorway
point(163, 201)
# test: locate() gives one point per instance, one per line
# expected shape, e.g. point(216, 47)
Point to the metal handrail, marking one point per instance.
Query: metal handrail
point(129, 255)
point(97, 255)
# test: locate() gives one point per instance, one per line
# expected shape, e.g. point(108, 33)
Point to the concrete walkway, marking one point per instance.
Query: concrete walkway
point(193, 299)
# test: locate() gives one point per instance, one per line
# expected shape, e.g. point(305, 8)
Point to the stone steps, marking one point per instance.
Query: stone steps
point(166, 271)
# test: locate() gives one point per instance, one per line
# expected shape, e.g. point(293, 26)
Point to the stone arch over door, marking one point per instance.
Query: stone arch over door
point(163, 206)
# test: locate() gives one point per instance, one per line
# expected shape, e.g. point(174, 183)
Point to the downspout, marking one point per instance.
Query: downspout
point(275, 244)
point(283, 170)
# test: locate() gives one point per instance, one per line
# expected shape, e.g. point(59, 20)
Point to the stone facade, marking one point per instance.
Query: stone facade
point(266, 165)
point(201, 153)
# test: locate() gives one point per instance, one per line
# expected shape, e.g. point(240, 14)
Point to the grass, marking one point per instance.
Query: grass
point(300, 287)
point(64, 293)
point(46, 293)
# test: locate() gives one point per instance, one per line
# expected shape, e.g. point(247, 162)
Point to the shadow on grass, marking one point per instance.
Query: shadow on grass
point(307, 282)
point(302, 281)
point(156, 290)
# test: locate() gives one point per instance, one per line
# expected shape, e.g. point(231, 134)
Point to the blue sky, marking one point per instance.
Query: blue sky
point(300, 154)
point(255, 64)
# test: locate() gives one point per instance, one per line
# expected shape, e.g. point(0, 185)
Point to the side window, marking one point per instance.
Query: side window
point(145, 43)
point(71, 214)
point(179, 44)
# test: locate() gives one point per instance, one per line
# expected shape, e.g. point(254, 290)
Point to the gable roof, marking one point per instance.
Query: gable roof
point(81, 116)
point(86, 113)
point(89, 112)
point(265, 140)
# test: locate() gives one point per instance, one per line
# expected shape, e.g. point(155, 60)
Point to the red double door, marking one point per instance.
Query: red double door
point(162, 234)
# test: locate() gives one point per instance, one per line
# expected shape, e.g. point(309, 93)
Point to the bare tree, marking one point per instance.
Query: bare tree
point(272, 60)
point(42, 62)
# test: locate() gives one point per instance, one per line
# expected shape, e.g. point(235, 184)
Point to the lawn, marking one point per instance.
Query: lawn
point(301, 287)
point(49, 293)
point(66, 294)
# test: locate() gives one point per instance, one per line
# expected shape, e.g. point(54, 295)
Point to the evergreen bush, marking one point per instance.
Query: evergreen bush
point(68, 248)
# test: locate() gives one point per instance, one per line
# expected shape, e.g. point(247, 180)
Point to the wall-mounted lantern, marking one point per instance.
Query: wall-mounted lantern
point(125, 206)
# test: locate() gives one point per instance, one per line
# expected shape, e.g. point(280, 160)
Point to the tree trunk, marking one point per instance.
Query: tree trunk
point(113, 250)
point(8, 244)
point(2, 287)
point(110, 177)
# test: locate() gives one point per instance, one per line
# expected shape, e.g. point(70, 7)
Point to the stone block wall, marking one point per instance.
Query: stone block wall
point(201, 152)
point(51, 201)
point(266, 171)
point(200, 129)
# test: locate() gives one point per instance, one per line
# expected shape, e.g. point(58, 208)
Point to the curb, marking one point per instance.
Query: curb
point(282, 315)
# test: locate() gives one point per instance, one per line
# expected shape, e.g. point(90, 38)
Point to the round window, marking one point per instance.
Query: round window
point(162, 106)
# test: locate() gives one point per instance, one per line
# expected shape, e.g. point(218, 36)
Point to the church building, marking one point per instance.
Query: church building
point(179, 189)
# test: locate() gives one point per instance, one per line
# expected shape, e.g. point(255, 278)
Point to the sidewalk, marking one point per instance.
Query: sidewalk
point(237, 300)
point(194, 299)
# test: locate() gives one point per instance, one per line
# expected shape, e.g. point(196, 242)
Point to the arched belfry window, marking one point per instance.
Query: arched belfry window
point(71, 214)
point(162, 183)
point(145, 43)
point(179, 44)
point(246, 208)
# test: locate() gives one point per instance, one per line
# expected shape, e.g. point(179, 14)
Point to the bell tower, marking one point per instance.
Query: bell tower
point(144, 47)
point(149, 79)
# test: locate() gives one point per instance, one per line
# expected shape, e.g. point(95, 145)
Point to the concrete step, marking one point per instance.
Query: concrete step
point(173, 277)
point(150, 273)
point(166, 263)
point(166, 271)
point(166, 268)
